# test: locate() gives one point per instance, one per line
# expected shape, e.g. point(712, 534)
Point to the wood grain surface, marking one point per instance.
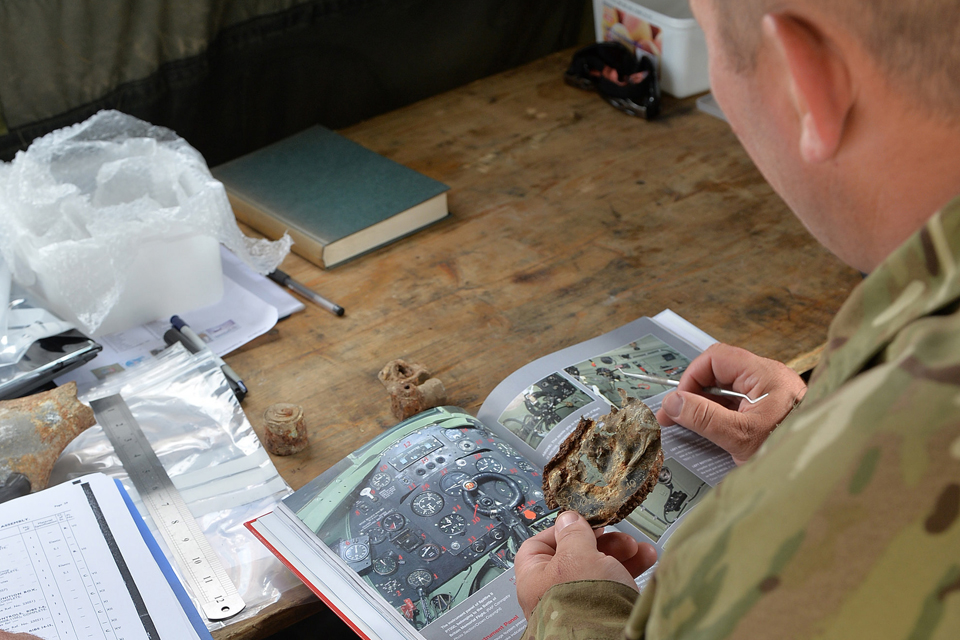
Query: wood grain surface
point(568, 219)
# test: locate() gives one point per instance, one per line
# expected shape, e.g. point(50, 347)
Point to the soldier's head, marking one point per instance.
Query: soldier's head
point(834, 98)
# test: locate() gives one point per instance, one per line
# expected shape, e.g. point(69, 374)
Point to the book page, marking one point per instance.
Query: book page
point(426, 521)
point(73, 566)
point(537, 407)
point(540, 404)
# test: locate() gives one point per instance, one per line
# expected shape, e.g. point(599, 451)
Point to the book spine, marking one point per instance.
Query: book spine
point(273, 227)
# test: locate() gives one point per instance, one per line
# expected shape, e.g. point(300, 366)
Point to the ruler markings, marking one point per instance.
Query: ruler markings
point(200, 566)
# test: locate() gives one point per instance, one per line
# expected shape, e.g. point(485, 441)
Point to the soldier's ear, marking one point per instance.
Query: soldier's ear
point(819, 80)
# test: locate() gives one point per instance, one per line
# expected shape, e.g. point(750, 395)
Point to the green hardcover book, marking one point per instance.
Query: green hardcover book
point(336, 198)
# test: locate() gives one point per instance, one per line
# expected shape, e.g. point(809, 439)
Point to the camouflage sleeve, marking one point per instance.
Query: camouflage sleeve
point(846, 524)
point(587, 609)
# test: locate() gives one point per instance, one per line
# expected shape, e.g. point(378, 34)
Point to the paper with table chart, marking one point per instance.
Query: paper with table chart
point(74, 566)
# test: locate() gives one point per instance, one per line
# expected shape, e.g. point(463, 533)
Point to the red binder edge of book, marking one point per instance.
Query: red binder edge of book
point(288, 565)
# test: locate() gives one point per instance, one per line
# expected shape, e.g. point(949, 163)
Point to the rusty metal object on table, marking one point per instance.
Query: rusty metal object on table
point(35, 430)
point(14, 486)
point(285, 432)
point(606, 467)
point(412, 388)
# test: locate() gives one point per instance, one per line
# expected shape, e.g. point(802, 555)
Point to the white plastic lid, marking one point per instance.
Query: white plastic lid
point(677, 9)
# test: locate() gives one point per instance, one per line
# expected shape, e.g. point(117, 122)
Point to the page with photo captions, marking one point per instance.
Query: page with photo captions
point(540, 404)
point(418, 530)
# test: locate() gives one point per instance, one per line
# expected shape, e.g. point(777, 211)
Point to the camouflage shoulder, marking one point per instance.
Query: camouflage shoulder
point(919, 278)
point(857, 494)
point(583, 610)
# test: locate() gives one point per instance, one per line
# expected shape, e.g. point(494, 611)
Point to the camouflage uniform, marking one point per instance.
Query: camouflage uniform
point(845, 524)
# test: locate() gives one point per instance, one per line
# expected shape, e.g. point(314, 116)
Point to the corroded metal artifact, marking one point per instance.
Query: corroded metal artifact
point(285, 430)
point(411, 388)
point(35, 430)
point(606, 468)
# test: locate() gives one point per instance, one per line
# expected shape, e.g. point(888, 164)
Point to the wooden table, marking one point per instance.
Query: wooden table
point(568, 219)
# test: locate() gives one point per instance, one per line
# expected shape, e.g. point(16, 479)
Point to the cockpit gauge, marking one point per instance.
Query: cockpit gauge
point(385, 566)
point(380, 480)
point(452, 524)
point(487, 498)
point(489, 465)
point(428, 503)
point(523, 465)
point(355, 552)
point(454, 434)
point(390, 586)
point(507, 450)
point(505, 492)
point(466, 445)
point(452, 483)
point(377, 535)
point(393, 522)
point(429, 552)
point(420, 578)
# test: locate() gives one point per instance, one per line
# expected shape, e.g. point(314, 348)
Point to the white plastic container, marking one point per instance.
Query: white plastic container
point(664, 29)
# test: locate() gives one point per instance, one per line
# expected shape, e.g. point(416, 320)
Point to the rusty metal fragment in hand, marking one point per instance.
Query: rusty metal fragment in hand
point(606, 468)
point(35, 430)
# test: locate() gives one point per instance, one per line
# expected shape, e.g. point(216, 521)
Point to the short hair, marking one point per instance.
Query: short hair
point(916, 43)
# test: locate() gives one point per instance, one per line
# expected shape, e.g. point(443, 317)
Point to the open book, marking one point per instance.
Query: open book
point(414, 535)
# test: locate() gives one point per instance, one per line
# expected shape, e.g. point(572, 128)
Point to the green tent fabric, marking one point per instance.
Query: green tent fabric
point(234, 75)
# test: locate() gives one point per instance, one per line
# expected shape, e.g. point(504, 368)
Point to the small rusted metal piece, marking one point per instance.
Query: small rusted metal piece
point(284, 428)
point(35, 430)
point(412, 389)
point(606, 468)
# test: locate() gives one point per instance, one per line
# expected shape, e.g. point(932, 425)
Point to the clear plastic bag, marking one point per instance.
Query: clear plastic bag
point(206, 445)
point(94, 213)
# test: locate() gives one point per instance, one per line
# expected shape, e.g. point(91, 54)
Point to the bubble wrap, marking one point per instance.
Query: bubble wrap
point(75, 206)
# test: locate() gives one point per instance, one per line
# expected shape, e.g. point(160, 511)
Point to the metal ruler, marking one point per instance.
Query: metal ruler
point(199, 565)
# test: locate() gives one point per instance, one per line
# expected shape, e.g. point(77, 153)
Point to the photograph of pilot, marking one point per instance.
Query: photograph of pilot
point(604, 374)
point(541, 406)
point(676, 492)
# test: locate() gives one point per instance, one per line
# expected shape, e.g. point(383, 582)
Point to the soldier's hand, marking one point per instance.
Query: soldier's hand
point(734, 424)
point(571, 550)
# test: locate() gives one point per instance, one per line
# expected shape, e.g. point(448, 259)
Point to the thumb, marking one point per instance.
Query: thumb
point(731, 430)
point(574, 534)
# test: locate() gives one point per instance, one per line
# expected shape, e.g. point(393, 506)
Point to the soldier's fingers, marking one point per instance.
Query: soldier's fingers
point(574, 535)
point(543, 542)
point(530, 556)
point(643, 559)
point(740, 434)
point(738, 369)
point(617, 544)
point(720, 364)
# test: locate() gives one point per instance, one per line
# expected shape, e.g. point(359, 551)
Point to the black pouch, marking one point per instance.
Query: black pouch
point(628, 83)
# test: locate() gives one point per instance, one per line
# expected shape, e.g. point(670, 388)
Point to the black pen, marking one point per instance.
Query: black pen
point(194, 343)
point(285, 280)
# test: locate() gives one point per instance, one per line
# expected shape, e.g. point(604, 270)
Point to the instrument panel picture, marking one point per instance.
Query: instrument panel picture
point(433, 515)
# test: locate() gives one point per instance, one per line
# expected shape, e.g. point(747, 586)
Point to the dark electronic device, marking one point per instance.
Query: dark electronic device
point(46, 359)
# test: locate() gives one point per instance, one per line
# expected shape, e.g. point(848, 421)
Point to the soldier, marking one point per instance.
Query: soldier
point(845, 522)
